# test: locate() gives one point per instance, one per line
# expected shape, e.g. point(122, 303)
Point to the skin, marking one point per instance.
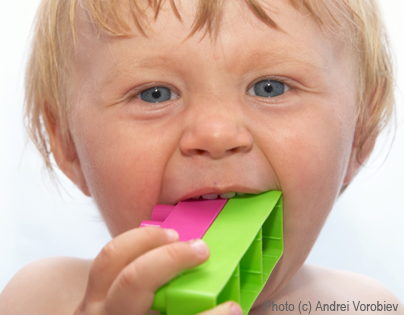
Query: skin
point(215, 137)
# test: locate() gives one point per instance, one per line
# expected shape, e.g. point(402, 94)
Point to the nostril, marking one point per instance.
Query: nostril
point(216, 144)
point(238, 149)
point(235, 150)
point(196, 152)
point(199, 151)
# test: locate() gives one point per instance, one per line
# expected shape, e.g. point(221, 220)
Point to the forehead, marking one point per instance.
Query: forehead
point(243, 42)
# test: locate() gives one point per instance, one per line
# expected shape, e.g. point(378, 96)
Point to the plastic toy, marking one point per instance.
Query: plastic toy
point(245, 238)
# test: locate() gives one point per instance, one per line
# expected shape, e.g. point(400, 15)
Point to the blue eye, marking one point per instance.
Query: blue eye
point(268, 88)
point(157, 94)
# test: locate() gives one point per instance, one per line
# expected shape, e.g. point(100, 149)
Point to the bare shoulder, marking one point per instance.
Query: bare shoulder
point(329, 289)
point(52, 285)
point(349, 284)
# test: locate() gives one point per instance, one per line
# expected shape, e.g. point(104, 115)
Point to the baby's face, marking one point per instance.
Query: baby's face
point(158, 120)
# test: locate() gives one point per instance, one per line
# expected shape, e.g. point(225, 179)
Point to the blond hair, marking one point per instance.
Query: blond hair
point(47, 79)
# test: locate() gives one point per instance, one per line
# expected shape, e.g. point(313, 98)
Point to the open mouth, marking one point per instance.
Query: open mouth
point(211, 193)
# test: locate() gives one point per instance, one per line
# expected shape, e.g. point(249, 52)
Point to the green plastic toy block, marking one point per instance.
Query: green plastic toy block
point(245, 242)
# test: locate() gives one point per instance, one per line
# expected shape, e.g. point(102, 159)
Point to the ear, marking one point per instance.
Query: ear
point(358, 157)
point(360, 154)
point(65, 153)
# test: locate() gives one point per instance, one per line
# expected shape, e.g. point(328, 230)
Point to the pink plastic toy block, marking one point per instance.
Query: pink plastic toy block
point(191, 218)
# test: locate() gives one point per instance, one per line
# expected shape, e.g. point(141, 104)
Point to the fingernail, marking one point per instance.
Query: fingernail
point(236, 309)
point(200, 247)
point(172, 235)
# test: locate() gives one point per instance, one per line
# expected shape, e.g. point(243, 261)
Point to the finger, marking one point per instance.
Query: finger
point(120, 252)
point(228, 308)
point(133, 290)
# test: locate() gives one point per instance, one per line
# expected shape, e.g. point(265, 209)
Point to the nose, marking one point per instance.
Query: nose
point(216, 135)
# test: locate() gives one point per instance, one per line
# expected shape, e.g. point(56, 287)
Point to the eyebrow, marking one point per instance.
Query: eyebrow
point(255, 60)
point(150, 62)
point(258, 59)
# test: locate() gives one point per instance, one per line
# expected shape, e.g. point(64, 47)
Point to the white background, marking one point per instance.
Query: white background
point(364, 233)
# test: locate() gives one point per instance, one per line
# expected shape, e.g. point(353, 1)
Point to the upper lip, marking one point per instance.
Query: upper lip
point(218, 191)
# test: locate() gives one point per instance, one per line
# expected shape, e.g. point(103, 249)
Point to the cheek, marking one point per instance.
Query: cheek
point(317, 161)
point(123, 165)
point(309, 151)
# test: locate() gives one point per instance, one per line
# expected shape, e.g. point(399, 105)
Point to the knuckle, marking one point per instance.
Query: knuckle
point(130, 277)
point(109, 251)
point(149, 232)
point(81, 309)
point(173, 252)
point(107, 254)
point(152, 232)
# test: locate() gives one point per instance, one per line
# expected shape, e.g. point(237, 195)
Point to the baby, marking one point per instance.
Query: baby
point(154, 102)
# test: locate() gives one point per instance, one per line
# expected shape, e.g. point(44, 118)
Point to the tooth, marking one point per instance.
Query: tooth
point(209, 196)
point(227, 195)
point(240, 194)
point(197, 197)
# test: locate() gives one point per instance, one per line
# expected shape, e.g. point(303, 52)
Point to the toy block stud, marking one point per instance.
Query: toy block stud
point(191, 218)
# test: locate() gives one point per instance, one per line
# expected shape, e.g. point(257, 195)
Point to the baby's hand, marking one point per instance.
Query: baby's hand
point(130, 268)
